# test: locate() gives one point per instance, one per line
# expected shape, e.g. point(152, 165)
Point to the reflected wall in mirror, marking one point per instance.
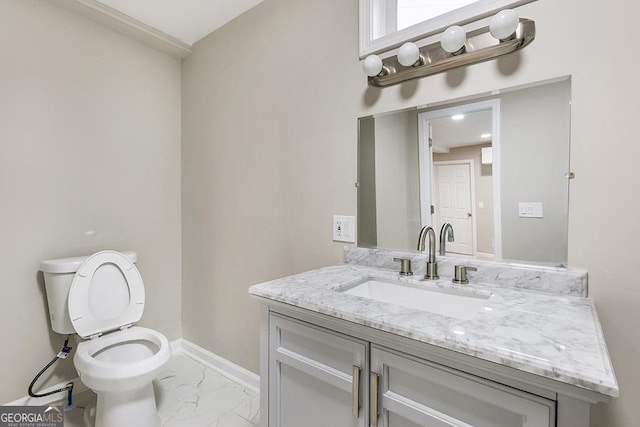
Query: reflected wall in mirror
point(494, 167)
point(385, 24)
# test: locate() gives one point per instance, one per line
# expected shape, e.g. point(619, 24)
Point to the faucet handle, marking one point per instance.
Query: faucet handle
point(405, 266)
point(460, 274)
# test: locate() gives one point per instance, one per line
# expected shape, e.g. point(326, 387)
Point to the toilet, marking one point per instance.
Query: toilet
point(100, 298)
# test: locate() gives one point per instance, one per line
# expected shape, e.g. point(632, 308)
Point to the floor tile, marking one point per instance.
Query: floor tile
point(189, 394)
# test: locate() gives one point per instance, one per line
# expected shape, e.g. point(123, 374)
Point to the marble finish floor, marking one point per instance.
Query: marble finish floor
point(189, 394)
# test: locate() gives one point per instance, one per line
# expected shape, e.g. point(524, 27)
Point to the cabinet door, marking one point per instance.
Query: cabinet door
point(316, 378)
point(413, 392)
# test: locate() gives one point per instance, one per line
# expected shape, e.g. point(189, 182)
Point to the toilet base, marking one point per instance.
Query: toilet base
point(127, 408)
point(89, 415)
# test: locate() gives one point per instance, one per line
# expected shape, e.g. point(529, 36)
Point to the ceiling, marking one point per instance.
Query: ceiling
point(448, 133)
point(185, 20)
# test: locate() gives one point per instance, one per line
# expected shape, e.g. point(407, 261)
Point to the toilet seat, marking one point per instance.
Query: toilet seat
point(107, 293)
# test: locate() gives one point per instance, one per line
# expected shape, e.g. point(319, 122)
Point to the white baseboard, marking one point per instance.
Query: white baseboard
point(223, 366)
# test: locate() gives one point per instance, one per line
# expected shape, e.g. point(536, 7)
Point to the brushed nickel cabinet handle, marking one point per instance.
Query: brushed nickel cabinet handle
point(373, 399)
point(355, 392)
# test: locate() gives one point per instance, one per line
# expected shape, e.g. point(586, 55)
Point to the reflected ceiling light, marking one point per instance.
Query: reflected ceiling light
point(485, 135)
point(453, 40)
point(457, 117)
point(504, 24)
point(409, 55)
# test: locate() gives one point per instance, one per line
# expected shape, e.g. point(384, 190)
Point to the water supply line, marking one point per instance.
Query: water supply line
point(62, 354)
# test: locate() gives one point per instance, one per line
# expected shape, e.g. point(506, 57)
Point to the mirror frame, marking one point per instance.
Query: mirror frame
point(472, 12)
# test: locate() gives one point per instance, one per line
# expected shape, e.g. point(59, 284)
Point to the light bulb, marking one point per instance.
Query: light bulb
point(372, 65)
point(453, 39)
point(504, 24)
point(408, 54)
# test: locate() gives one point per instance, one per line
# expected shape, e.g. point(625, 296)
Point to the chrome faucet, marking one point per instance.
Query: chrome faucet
point(446, 235)
point(432, 266)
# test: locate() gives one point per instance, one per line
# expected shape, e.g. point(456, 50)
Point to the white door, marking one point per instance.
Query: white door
point(454, 203)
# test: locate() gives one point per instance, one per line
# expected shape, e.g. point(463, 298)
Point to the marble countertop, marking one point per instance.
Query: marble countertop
point(554, 336)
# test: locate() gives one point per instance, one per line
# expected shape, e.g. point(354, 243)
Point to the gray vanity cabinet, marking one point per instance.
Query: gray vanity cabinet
point(413, 392)
point(317, 378)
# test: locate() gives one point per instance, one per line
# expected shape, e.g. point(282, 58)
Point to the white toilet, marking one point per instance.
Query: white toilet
point(100, 297)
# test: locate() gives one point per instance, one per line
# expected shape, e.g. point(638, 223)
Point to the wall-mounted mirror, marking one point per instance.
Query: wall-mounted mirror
point(385, 24)
point(495, 167)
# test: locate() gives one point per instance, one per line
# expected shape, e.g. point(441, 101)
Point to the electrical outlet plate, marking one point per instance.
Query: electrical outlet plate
point(344, 228)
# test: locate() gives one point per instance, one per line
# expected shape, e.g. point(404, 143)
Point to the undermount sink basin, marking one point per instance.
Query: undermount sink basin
point(447, 302)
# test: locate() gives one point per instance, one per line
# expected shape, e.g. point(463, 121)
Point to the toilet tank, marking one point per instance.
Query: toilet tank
point(58, 275)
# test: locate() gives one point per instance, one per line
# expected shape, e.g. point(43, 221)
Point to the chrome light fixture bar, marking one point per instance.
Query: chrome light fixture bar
point(432, 59)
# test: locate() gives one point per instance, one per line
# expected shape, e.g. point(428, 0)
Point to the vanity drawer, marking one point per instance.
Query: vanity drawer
point(413, 392)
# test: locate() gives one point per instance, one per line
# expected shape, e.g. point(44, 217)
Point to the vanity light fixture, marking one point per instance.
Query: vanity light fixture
point(457, 117)
point(373, 66)
point(503, 25)
point(409, 55)
point(505, 34)
point(453, 40)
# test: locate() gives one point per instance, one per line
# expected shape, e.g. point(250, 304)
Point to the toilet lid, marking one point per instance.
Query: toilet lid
point(106, 294)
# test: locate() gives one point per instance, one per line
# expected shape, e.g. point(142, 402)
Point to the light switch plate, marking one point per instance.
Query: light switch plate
point(530, 210)
point(344, 228)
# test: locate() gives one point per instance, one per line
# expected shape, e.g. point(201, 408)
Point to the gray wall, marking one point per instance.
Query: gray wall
point(534, 130)
point(269, 155)
point(90, 136)
point(258, 200)
point(397, 180)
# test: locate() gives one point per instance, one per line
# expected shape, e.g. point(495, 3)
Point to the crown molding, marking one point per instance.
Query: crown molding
point(123, 24)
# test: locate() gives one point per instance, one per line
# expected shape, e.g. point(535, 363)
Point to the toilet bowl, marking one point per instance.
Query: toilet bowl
point(128, 358)
point(119, 367)
point(117, 360)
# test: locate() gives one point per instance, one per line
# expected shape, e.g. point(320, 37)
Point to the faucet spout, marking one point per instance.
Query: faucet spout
point(446, 235)
point(432, 266)
point(427, 230)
